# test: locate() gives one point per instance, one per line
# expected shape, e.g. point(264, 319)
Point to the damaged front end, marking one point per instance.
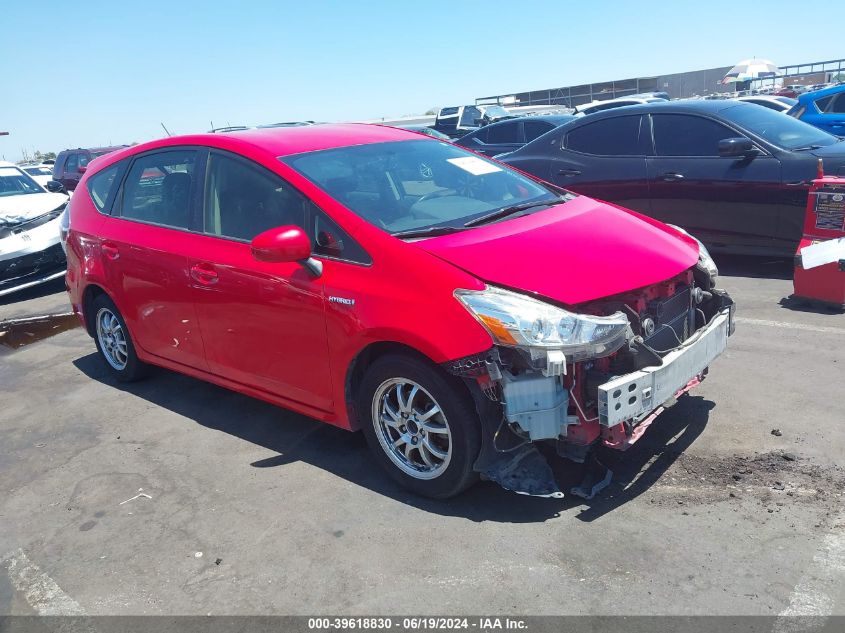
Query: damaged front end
point(573, 380)
point(30, 250)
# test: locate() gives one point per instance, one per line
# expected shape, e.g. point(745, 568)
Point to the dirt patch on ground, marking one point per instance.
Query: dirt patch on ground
point(774, 478)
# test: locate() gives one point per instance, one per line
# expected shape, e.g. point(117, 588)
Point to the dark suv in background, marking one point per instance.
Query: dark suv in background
point(72, 163)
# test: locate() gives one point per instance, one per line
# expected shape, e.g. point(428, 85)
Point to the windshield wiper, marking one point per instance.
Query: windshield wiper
point(431, 231)
point(506, 211)
point(806, 148)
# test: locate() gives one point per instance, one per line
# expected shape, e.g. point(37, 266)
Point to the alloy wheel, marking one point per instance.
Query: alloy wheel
point(112, 339)
point(412, 428)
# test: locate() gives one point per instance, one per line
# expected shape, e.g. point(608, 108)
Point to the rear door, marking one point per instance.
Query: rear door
point(497, 138)
point(263, 323)
point(832, 117)
point(144, 246)
point(726, 202)
point(604, 159)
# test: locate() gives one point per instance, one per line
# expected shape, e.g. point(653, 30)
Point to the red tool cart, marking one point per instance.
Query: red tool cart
point(820, 260)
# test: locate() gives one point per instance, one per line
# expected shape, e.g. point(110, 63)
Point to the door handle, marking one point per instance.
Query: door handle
point(671, 176)
point(110, 250)
point(204, 274)
point(570, 172)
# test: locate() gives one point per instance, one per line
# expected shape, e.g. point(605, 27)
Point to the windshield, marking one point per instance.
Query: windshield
point(13, 182)
point(777, 129)
point(496, 112)
point(411, 185)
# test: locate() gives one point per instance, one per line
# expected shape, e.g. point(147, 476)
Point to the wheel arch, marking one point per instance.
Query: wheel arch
point(366, 357)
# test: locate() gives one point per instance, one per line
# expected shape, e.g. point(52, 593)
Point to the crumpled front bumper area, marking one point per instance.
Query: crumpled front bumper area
point(32, 268)
point(635, 395)
point(526, 415)
point(31, 252)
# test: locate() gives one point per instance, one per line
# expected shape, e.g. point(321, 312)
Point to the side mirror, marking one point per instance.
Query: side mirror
point(285, 244)
point(82, 169)
point(735, 147)
point(54, 186)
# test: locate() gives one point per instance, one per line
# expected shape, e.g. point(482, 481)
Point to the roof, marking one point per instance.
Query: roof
point(679, 106)
point(110, 148)
point(282, 141)
point(820, 94)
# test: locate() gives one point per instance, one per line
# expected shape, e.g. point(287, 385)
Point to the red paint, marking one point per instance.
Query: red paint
point(824, 284)
point(282, 244)
point(205, 306)
point(572, 253)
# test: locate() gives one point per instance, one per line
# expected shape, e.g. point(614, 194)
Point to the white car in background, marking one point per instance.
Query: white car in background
point(42, 174)
point(31, 250)
point(600, 106)
point(779, 104)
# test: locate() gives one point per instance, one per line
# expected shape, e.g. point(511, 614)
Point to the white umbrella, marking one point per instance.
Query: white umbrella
point(749, 69)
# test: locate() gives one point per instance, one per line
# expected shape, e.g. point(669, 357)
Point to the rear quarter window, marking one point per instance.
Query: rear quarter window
point(101, 186)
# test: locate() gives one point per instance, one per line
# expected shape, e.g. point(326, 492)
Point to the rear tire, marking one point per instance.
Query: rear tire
point(421, 426)
point(114, 342)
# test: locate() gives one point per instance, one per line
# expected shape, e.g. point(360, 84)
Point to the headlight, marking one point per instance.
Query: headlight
point(515, 320)
point(705, 261)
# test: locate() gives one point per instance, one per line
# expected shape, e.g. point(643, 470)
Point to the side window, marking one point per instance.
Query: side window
point(332, 241)
point(481, 135)
point(535, 129)
point(101, 184)
point(822, 104)
point(158, 188)
point(503, 133)
point(243, 199)
point(618, 136)
point(72, 164)
point(838, 105)
point(84, 159)
point(684, 135)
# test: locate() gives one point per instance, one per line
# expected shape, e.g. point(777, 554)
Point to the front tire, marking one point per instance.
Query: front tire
point(421, 425)
point(114, 342)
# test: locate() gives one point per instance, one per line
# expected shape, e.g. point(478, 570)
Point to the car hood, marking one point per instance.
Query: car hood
point(574, 252)
point(16, 209)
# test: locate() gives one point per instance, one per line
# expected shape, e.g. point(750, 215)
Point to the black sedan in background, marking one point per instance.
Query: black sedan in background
point(506, 136)
point(733, 174)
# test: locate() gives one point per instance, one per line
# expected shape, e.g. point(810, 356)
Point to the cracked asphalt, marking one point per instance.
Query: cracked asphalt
point(173, 496)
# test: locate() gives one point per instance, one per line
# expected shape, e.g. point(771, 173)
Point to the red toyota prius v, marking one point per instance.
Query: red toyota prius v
point(458, 312)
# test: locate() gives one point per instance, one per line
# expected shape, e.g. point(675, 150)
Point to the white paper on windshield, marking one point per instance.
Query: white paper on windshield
point(823, 253)
point(9, 171)
point(474, 165)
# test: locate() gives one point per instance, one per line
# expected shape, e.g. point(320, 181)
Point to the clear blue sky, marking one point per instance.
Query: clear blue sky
point(93, 72)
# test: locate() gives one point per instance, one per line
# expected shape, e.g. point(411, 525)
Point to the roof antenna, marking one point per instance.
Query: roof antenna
point(166, 130)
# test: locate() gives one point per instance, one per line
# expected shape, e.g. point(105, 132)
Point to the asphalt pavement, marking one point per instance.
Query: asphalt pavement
point(173, 496)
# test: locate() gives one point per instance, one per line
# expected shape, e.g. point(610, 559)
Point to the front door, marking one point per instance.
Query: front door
point(263, 323)
point(725, 202)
